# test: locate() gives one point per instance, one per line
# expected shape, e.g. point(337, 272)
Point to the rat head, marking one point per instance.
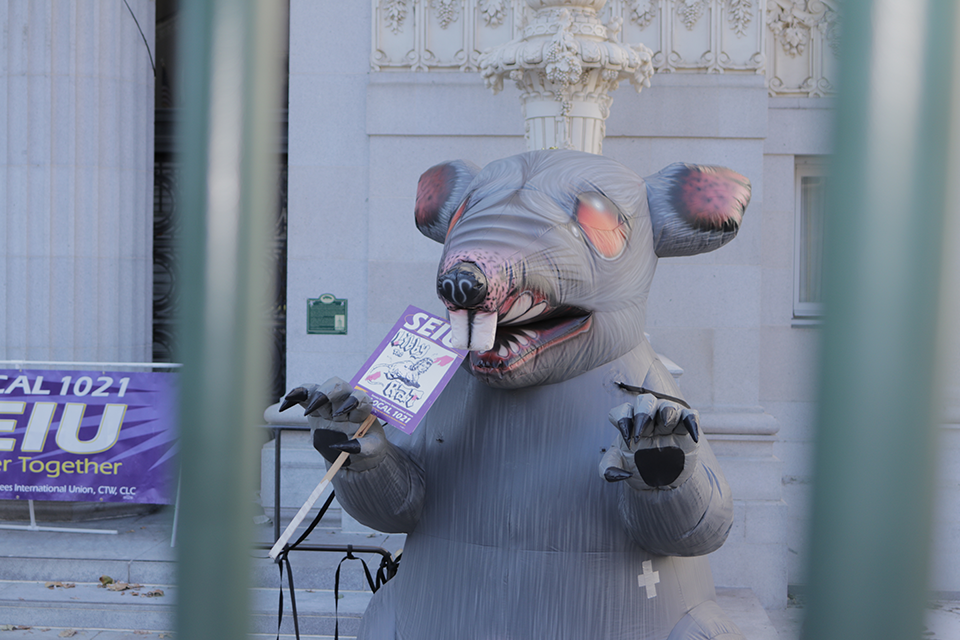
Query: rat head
point(548, 256)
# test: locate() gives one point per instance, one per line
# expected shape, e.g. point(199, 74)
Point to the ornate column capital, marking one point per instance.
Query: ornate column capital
point(565, 63)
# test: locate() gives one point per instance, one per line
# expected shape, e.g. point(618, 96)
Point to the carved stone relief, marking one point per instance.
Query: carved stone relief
point(447, 11)
point(642, 12)
point(803, 47)
point(493, 12)
point(690, 12)
point(740, 12)
point(394, 12)
point(792, 42)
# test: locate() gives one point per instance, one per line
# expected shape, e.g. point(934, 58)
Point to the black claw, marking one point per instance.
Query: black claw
point(349, 405)
point(616, 474)
point(623, 425)
point(318, 402)
point(646, 422)
point(296, 396)
point(690, 422)
point(350, 446)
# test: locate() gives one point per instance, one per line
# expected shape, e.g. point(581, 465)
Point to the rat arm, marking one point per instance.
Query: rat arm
point(380, 484)
point(674, 499)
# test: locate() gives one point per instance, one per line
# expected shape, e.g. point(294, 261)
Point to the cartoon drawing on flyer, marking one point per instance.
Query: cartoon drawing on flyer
point(409, 369)
point(411, 364)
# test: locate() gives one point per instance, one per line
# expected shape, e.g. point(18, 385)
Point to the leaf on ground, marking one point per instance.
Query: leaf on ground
point(68, 633)
point(13, 627)
point(62, 585)
point(105, 580)
point(156, 593)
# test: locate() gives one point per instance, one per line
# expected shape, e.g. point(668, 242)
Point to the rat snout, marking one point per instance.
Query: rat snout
point(462, 286)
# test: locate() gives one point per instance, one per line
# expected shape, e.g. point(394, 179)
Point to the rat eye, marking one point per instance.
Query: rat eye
point(602, 223)
point(456, 216)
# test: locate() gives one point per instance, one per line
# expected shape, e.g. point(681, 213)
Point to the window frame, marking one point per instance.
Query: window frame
point(804, 312)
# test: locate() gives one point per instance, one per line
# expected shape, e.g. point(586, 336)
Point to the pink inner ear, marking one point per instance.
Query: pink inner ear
point(432, 192)
point(601, 225)
point(712, 199)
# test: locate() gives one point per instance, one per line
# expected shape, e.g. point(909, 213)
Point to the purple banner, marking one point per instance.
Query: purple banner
point(89, 436)
point(409, 369)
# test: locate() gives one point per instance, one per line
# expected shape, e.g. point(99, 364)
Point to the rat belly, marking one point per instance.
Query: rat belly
point(520, 535)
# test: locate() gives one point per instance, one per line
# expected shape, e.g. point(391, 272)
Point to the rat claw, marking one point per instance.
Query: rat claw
point(318, 402)
point(645, 422)
point(690, 423)
point(350, 446)
point(296, 396)
point(616, 474)
point(348, 405)
point(624, 425)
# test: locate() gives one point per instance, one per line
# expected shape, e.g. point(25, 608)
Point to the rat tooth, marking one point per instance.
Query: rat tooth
point(520, 307)
point(503, 352)
point(533, 312)
point(533, 335)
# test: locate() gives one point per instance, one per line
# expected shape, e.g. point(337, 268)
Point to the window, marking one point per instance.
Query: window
point(811, 186)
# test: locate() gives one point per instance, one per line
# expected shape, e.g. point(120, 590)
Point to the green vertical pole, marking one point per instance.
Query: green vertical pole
point(873, 490)
point(229, 92)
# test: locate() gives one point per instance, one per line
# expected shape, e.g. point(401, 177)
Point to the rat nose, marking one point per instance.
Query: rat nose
point(463, 286)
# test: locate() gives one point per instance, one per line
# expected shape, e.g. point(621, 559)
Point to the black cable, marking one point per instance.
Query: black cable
point(284, 558)
point(145, 43)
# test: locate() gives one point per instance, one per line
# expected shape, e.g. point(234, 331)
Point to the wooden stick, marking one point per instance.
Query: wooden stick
point(315, 495)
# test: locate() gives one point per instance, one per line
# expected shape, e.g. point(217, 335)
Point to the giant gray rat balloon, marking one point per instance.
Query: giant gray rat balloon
point(514, 531)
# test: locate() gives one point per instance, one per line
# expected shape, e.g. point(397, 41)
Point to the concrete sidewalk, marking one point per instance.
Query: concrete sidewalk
point(50, 586)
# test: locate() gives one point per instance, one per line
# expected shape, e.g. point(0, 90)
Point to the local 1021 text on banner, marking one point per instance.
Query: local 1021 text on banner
point(88, 436)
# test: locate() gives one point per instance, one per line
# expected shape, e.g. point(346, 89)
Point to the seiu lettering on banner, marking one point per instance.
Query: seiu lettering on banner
point(89, 436)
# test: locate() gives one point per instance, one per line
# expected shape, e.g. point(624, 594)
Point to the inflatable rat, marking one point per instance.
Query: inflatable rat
point(511, 532)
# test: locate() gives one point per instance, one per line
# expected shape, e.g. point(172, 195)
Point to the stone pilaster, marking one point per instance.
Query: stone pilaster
point(76, 113)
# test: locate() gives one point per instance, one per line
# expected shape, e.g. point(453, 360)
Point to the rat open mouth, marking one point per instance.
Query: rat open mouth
point(526, 329)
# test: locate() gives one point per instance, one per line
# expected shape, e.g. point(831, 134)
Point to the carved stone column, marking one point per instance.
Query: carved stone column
point(76, 185)
point(566, 63)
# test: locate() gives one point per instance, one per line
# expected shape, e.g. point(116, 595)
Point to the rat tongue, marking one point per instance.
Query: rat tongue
point(473, 330)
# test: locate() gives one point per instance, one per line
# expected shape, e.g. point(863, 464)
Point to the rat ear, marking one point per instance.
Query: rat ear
point(439, 193)
point(695, 209)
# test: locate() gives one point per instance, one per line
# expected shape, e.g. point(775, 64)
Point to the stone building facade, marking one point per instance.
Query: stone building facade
point(383, 89)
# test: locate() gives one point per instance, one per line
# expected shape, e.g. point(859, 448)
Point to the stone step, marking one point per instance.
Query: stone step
point(311, 570)
point(89, 606)
point(141, 553)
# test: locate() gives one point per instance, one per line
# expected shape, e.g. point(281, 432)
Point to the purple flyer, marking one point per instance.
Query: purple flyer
point(90, 436)
point(410, 368)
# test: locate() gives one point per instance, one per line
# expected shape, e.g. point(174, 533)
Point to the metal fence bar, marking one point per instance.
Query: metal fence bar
point(230, 86)
point(18, 364)
point(873, 494)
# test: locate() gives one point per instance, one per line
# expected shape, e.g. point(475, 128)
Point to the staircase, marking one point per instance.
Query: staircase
point(50, 581)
